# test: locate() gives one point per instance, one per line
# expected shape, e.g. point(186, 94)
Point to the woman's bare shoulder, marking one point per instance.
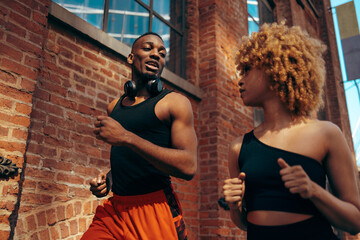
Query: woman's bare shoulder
point(325, 128)
point(236, 144)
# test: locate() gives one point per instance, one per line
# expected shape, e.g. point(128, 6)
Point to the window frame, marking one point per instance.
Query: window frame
point(61, 14)
point(153, 14)
point(270, 5)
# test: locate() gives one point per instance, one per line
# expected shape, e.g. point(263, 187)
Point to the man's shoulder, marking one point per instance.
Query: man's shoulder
point(111, 106)
point(175, 96)
point(176, 103)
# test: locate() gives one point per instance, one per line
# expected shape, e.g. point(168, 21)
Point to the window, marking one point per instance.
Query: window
point(259, 12)
point(125, 20)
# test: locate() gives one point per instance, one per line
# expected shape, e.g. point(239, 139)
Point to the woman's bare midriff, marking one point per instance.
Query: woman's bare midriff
point(275, 218)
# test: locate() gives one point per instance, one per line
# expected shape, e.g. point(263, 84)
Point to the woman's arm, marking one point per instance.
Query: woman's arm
point(343, 208)
point(234, 187)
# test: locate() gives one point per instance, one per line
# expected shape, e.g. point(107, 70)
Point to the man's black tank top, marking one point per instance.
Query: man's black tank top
point(264, 189)
point(131, 174)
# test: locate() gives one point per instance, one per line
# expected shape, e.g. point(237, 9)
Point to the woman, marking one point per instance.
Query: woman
point(279, 169)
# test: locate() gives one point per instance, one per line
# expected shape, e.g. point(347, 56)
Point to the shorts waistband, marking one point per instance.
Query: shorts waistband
point(158, 196)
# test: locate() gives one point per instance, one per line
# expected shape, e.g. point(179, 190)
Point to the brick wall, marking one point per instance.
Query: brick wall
point(222, 116)
point(55, 80)
point(22, 32)
point(75, 84)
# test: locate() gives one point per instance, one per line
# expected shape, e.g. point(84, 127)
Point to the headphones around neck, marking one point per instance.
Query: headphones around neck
point(154, 87)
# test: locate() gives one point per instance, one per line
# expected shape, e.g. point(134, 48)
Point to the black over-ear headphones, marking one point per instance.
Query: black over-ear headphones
point(154, 87)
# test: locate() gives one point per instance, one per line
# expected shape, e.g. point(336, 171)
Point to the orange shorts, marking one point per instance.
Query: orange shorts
point(150, 216)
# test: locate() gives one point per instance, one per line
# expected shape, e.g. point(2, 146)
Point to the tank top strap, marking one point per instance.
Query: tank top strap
point(248, 136)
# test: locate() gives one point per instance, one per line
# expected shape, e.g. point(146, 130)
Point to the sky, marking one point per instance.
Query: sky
point(351, 92)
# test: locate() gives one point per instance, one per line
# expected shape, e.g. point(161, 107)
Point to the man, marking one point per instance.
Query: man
point(152, 136)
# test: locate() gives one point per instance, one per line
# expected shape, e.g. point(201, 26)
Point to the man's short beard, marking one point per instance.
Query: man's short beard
point(147, 77)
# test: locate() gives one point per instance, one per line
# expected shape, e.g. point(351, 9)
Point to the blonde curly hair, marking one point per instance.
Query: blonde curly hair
point(292, 59)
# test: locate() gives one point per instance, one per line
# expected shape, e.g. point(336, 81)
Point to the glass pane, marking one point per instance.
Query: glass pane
point(173, 44)
point(171, 11)
point(127, 20)
point(90, 10)
point(253, 8)
point(163, 30)
point(253, 26)
point(147, 2)
point(162, 7)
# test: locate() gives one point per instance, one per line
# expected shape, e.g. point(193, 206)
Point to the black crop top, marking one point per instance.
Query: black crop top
point(131, 173)
point(264, 189)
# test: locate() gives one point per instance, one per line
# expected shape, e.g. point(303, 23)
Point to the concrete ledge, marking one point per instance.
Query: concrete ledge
point(103, 38)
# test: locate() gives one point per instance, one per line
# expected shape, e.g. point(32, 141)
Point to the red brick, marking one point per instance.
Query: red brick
point(63, 102)
point(31, 223)
point(54, 88)
point(71, 65)
point(68, 54)
point(23, 108)
point(51, 66)
point(87, 208)
point(94, 57)
point(28, 84)
point(44, 234)
point(63, 42)
point(18, 7)
point(11, 52)
point(40, 174)
point(74, 228)
point(69, 178)
point(60, 212)
point(82, 225)
point(41, 94)
point(49, 108)
point(7, 77)
point(23, 45)
point(32, 62)
point(64, 230)
point(52, 187)
point(80, 192)
point(52, 47)
point(54, 233)
point(50, 217)
point(39, 18)
point(4, 234)
point(37, 39)
point(12, 146)
point(19, 69)
point(106, 72)
point(20, 134)
point(41, 219)
point(4, 131)
point(6, 103)
point(77, 208)
point(28, 24)
point(36, 198)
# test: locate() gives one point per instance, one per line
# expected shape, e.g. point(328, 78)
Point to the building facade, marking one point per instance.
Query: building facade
point(59, 69)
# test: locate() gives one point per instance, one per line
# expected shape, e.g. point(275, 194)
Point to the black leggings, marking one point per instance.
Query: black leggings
point(315, 228)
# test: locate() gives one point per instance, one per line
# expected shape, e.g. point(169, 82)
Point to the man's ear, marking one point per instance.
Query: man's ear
point(130, 58)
